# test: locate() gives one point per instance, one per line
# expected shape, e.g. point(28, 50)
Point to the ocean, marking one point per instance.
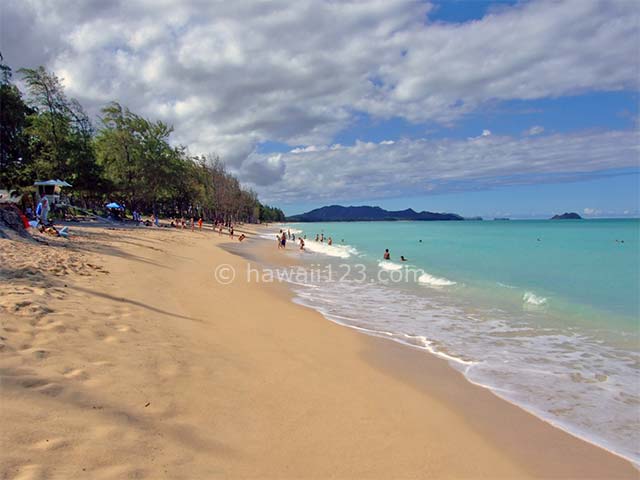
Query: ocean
point(544, 313)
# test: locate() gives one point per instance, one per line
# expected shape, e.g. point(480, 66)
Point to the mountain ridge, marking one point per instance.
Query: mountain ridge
point(366, 213)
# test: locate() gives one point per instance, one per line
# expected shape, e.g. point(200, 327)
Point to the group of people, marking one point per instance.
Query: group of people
point(220, 226)
point(320, 238)
point(182, 223)
point(387, 256)
point(283, 236)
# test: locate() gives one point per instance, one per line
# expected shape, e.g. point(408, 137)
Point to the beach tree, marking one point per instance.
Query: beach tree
point(14, 142)
point(60, 132)
point(118, 153)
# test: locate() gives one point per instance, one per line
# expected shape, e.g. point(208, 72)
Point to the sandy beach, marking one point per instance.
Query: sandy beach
point(123, 357)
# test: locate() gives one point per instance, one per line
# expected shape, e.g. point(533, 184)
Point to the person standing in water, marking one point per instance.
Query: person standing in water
point(386, 255)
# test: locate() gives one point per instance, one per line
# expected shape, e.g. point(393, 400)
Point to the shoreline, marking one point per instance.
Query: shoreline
point(267, 257)
point(131, 360)
point(461, 365)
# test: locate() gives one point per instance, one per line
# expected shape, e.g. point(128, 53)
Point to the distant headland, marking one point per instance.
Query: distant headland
point(338, 213)
point(567, 216)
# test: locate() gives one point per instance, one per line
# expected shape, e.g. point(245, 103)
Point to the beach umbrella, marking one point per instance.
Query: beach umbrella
point(114, 205)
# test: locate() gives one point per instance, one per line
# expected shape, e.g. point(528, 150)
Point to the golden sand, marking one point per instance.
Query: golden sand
point(122, 357)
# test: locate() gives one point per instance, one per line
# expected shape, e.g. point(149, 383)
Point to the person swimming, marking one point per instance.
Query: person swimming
point(387, 255)
point(402, 259)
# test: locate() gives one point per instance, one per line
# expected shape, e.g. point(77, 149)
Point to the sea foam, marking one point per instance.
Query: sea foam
point(389, 265)
point(340, 251)
point(531, 298)
point(427, 279)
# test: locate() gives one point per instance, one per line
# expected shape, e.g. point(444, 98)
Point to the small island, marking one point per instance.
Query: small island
point(567, 216)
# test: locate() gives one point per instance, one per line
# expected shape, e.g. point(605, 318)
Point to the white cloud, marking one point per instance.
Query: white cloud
point(486, 133)
point(535, 130)
point(310, 148)
point(411, 167)
point(229, 75)
point(592, 211)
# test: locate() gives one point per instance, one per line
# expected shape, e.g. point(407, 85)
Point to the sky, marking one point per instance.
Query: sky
point(491, 108)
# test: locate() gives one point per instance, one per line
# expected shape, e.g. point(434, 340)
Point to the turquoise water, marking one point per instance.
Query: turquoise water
point(573, 261)
point(545, 313)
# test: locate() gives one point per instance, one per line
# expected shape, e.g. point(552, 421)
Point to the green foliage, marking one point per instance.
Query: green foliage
point(128, 159)
point(14, 142)
point(271, 214)
point(60, 133)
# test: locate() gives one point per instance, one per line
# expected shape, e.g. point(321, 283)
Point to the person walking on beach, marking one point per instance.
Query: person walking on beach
point(283, 240)
point(330, 242)
point(42, 211)
point(386, 255)
point(200, 224)
point(301, 244)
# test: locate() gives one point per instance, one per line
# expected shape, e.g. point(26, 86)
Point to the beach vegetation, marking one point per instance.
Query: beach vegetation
point(125, 157)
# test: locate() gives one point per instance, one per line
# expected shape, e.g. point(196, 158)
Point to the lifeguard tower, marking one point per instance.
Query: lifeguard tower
point(52, 189)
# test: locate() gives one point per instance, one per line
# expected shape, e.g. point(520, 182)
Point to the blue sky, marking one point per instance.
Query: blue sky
point(492, 108)
point(610, 196)
point(608, 192)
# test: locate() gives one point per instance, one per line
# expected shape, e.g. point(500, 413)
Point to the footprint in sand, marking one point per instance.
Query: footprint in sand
point(50, 444)
point(57, 293)
point(76, 374)
point(32, 382)
point(102, 363)
point(29, 472)
point(56, 325)
point(29, 308)
point(51, 389)
point(40, 354)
